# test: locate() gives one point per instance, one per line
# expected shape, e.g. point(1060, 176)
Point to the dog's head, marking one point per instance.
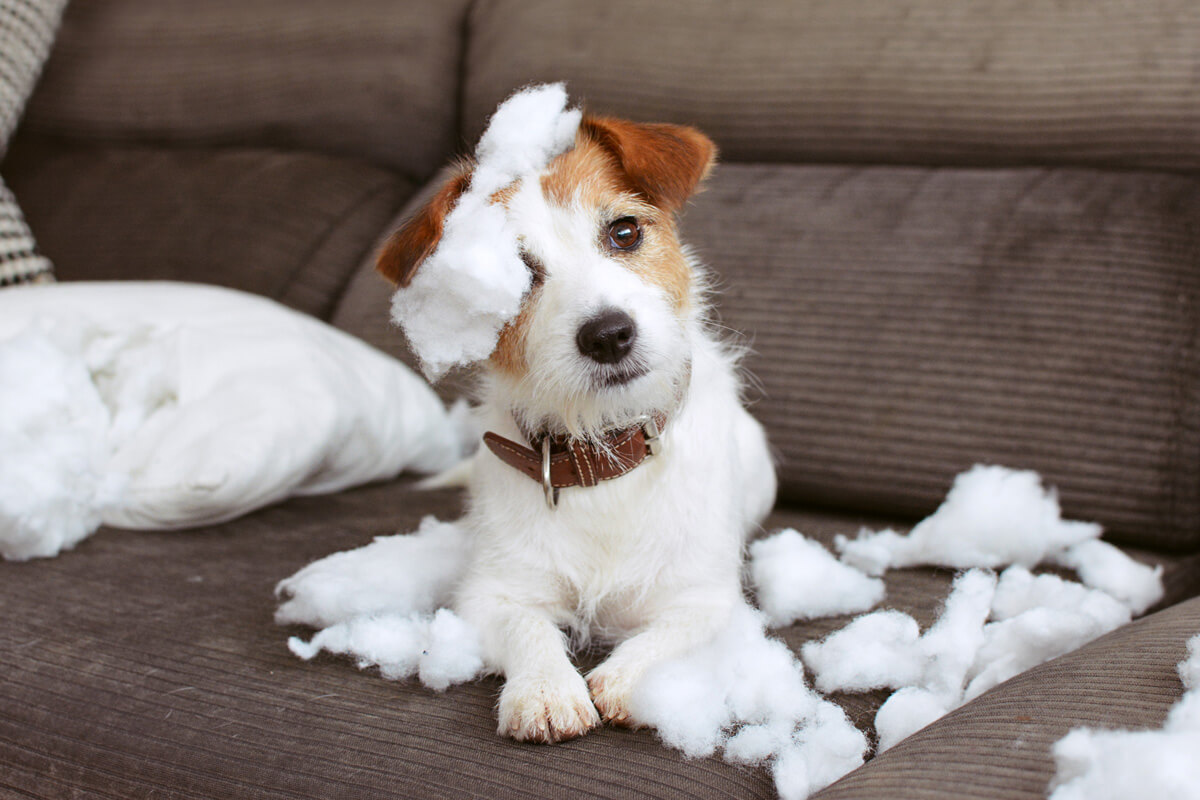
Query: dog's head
point(602, 336)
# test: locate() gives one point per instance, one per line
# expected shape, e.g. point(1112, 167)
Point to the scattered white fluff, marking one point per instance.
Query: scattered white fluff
point(407, 574)
point(1034, 619)
point(991, 517)
point(875, 651)
point(472, 284)
point(206, 403)
point(1118, 765)
point(745, 693)
point(797, 579)
point(948, 651)
point(1102, 566)
point(55, 485)
point(439, 649)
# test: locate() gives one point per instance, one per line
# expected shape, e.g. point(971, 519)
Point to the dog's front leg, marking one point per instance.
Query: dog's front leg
point(690, 620)
point(544, 699)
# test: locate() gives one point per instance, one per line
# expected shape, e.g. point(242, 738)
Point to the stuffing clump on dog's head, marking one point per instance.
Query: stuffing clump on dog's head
point(556, 258)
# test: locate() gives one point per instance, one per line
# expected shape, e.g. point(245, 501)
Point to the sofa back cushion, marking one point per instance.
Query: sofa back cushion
point(1112, 82)
point(370, 78)
point(906, 323)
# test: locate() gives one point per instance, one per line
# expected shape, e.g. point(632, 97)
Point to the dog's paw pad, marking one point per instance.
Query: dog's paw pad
point(546, 710)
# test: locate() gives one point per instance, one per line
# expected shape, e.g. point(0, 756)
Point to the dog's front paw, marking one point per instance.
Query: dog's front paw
point(546, 709)
point(612, 688)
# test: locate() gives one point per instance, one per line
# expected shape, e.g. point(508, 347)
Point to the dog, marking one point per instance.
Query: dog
point(621, 473)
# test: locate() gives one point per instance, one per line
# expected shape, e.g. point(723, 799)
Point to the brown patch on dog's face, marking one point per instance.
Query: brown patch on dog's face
point(405, 249)
point(590, 178)
point(620, 174)
point(509, 355)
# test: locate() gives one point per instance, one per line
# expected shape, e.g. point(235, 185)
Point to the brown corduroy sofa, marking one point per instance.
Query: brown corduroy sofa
point(951, 232)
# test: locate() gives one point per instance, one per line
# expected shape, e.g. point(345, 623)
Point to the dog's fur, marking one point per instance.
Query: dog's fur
point(650, 561)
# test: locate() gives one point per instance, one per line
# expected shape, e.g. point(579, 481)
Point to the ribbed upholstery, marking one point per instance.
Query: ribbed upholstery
point(289, 225)
point(908, 323)
point(372, 79)
point(143, 662)
point(998, 746)
point(27, 30)
point(1114, 82)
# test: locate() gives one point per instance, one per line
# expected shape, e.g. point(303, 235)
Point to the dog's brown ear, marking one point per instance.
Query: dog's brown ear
point(664, 162)
point(406, 248)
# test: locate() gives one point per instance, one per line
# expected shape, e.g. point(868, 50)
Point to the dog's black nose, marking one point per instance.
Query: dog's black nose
point(607, 337)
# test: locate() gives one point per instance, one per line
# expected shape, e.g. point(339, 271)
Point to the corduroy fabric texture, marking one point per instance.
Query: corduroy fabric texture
point(289, 225)
point(907, 323)
point(149, 663)
point(26, 33)
point(373, 79)
point(998, 746)
point(1113, 82)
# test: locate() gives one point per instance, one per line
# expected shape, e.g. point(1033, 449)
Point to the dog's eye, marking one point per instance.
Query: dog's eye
point(624, 234)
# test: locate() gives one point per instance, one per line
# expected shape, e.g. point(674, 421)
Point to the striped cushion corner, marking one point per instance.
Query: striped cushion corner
point(20, 261)
point(27, 29)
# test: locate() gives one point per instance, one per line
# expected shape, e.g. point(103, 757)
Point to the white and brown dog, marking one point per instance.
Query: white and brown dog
point(622, 473)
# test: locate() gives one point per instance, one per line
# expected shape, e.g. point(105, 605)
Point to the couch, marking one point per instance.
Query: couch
point(948, 232)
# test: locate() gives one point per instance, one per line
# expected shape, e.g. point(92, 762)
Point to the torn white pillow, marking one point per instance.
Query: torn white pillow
point(472, 284)
point(205, 403)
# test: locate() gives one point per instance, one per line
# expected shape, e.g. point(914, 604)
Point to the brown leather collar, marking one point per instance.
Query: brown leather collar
point(558, 462)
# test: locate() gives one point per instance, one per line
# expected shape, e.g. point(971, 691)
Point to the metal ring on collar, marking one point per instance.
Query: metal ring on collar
point(547, 487)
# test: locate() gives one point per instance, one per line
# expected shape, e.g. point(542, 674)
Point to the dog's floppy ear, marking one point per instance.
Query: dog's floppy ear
point(406, 248)
point(665, 162)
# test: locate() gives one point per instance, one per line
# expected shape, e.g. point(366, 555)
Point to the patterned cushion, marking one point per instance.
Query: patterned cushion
point(26, 32)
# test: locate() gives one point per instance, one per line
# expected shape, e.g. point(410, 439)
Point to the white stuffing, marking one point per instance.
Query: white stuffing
point(55, 484)
point(162, 405)
point(875, 651)
point(947, 651)
point(1102, 566)
point(472, 284)
point(407, 574)
point(745, 693)
point(1096, 764)
point(795, 578)
point(439, 649)
point(991, 517)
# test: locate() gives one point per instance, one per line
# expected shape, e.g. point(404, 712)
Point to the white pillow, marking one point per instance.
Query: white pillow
point(167, 405)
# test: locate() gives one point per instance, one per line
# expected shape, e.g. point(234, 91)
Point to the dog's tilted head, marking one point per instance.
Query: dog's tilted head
point(603, 335)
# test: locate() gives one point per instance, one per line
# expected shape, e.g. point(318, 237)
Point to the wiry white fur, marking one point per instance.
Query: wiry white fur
point(407, 573)
point(471, 286)
point(650, 560)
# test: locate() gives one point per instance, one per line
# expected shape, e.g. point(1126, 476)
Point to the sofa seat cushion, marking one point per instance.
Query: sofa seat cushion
point(289, 225)
point(998, 747)
point(144, 663)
